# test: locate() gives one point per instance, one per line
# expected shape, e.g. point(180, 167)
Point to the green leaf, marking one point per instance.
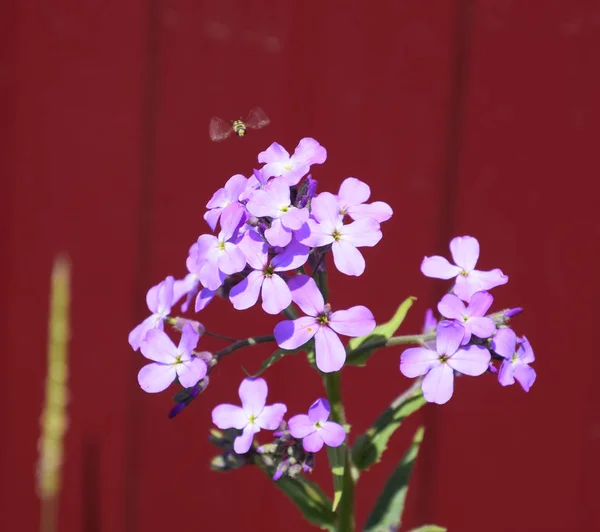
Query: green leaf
point(369, 447)
point(429, 528)
point(276, 356)
point(337, 462)
point(387, 513)
point(310, 500)
point(358, 354)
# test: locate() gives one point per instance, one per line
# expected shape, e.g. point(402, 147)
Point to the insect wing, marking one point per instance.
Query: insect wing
point(219, 129)
point(257, 118)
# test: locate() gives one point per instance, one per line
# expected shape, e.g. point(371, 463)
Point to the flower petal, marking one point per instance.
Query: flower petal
point(228, 416)
point(312, 443)
point(271, 416)
point(524, 375)
point(295, 218)
point(505, 342)
point(472, 360)
point(438, 384)
point(158, 347)
point(416, 361)
point(277, 234)
point(356, 321)
point(439, 268)
point(293, 256)
point(204, 297)
point(329, 351)
point(482, 327)
point(242, 444)
point(273, 154)
point(245, 294)
point(449, 337)
point(332, 434)
point(378, 210)
point(189, 339)
point(138, 334)
point(353, 192)
point(319, 410)
point(477, 281)
point(506, 373)
point(191, 371)
point(306, 295)
point(451, 307)
point(253, 394)
point(301, 426)
point(465, 252)
point(480, 303)
point(276, 295)
point(525, 351)
point(314, 234)
point(365, 232)
point(347, 258)
point(155, 377)
point(292, 334)
point(232, 259)
point(310, 151)
point(325, 208)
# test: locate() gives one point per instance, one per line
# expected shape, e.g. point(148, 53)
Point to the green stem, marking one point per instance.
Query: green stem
point(417, 339)
point(345, 510)
point(244, 343)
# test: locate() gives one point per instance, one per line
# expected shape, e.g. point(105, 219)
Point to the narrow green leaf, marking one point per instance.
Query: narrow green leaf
point(429, 528)
point(357, 356)
point(276, 356)
point(369, 447)
point(310, 500)
point(337, 462)
point(387, 513)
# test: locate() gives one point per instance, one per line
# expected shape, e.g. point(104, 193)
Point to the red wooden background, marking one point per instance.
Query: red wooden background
point(468, 117)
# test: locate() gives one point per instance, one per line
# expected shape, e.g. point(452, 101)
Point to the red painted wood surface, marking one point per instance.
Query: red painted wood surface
point(473, 118)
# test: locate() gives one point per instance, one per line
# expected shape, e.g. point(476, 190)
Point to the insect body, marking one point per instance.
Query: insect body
point(220, 129)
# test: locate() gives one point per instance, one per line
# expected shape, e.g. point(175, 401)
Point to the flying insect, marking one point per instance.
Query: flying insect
point(220, 129)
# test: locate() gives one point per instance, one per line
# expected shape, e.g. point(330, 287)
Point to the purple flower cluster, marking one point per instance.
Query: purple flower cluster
point(270, 233)
point(313, 429)
point(467, 340)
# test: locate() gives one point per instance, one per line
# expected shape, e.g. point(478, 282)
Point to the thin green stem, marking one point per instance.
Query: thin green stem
point(417, 339)
point(247, 342)
point(220, 336)
point(345, 510)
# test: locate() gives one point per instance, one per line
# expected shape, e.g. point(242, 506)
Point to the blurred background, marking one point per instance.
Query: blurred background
point(469, 117)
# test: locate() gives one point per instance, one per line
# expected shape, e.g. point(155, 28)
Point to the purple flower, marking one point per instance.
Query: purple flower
point(274, 201)
point(306, 192)
point(321, 323)
point(214, 258)
point(465, 252)
point(429, 326)
point(328, 227)
point(225, 201)
point(252, 416)
point(160, 299)
point(294, 168)
point(170, 362)
point(314, 430)
point(438, 366)
point(276, 295)
point(472, 317)
point(517, 357)
point(352, 196)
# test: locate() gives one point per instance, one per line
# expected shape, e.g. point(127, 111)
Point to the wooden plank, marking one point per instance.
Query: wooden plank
point(505, 460)
point(74, 188)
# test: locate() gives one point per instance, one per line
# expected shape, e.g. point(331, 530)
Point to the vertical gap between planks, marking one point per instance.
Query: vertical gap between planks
point(149, 102)
point(450, 181)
